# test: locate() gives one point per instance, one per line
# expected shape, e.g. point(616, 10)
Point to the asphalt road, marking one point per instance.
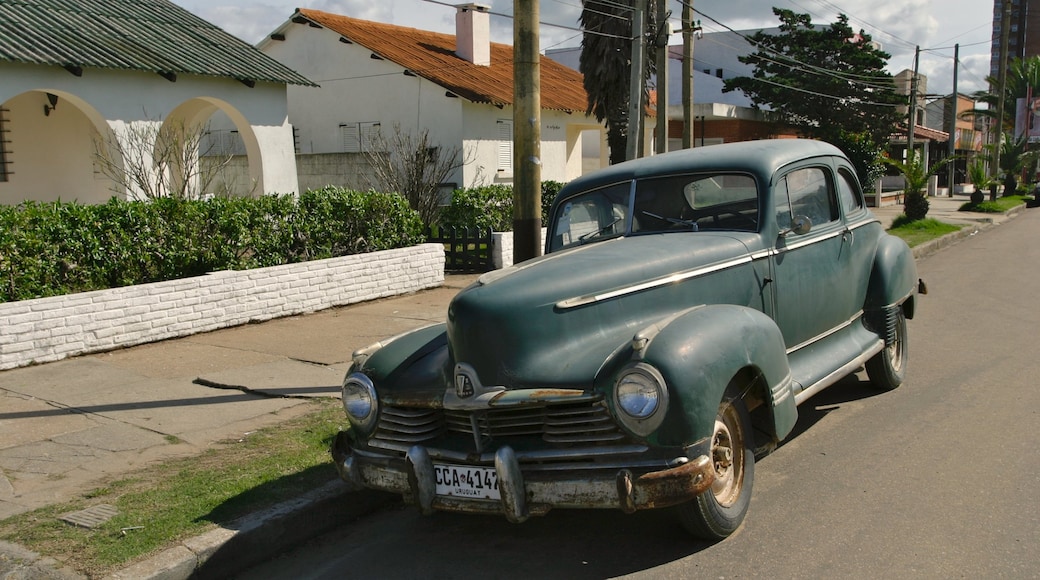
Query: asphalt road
point(938, 479)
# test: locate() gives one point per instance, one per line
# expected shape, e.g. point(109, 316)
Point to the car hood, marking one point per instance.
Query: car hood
point(553, 322)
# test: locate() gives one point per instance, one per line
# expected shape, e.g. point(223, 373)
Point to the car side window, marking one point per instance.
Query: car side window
point(595, 214)
point(848, 192)
point(805, 192)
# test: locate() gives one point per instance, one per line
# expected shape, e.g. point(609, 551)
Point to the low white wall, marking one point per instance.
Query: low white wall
point(502, 250)
point(50, 329)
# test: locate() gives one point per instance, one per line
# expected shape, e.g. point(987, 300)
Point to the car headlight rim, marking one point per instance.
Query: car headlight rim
point(360, 402)
point(641, 398)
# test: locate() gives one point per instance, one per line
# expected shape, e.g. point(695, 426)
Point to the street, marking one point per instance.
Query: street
point(937, 479)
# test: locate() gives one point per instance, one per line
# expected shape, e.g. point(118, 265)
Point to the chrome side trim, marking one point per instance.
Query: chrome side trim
point(810, 241)
point(678, 277)
point(782, 390)
point(834, 330)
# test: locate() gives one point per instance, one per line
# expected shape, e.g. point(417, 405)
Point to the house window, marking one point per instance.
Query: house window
point(505, 145)
point(359, 137)
point(5, 153)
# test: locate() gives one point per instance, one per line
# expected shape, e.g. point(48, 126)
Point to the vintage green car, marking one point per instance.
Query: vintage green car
point(686, 304)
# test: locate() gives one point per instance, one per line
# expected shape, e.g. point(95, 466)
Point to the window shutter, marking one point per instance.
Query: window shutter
point(350, 134)
point(505, 145)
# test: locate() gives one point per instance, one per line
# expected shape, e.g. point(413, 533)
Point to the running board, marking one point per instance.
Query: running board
point(839, 374)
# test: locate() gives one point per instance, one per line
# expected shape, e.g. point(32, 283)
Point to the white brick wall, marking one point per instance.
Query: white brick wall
point(50, 329)
point(502, 250)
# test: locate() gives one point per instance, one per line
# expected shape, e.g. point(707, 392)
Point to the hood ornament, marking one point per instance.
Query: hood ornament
point(466, 392)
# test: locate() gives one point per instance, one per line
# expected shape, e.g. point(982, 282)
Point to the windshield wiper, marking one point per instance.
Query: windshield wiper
point(689, 223)
point(598, 232)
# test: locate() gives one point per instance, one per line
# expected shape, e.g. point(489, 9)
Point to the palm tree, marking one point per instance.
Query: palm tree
point(979, 178)
point(915, 179)
point(1014, 157)
point(1023, 78)
point(605, 62)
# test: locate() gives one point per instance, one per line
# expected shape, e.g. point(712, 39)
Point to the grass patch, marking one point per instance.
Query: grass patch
point(920, 231)
point(181, 498)
point(1001, 205)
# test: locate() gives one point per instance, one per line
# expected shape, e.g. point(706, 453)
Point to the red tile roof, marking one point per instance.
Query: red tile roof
point(431, 55)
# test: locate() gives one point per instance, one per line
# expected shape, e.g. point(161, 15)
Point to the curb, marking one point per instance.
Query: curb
point(252, 540)
point(933, 246)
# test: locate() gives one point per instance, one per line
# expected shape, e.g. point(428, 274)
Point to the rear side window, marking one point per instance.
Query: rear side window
point(848, 192)
point(805, 192)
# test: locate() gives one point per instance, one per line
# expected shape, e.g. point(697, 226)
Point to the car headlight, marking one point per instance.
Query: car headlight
point(641, 396)
point(360, 402)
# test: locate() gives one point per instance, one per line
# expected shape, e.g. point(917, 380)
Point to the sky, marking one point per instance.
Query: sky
point(900, 26)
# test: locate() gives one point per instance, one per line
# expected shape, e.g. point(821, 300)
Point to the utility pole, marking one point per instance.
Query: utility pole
point(911, 115)
point(688, 31)
point(527, 134)
point(661, 43)
point(954, 102)
point(1005, 25)
point(635, 102)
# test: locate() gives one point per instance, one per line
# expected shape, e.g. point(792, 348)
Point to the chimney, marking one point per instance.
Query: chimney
point(473, 33)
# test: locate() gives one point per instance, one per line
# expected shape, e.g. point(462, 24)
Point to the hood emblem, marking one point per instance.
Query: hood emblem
point(463, 386)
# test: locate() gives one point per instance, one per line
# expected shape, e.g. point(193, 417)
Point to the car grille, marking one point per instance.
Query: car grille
point(587, 422)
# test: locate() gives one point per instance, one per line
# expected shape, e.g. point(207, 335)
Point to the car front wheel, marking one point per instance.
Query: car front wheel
point(887, 368)
point(719, 511)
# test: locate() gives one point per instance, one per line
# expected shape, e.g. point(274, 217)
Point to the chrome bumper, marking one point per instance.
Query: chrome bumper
point(521, 497)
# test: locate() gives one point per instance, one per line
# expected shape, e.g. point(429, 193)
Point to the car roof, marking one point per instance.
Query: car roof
point(760, 158)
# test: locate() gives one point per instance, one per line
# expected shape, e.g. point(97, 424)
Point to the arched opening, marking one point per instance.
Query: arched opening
point(225, 147)
point(49, 139)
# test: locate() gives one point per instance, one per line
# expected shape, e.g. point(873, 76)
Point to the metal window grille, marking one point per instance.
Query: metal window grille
point(5, 152)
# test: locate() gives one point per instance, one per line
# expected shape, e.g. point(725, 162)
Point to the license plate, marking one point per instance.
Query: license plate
point(466, 481)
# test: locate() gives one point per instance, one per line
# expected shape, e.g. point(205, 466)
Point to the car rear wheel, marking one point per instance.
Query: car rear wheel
point(887, 368)
point(719, 511)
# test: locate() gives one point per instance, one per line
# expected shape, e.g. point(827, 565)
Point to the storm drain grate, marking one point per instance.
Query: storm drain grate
point(91, 517)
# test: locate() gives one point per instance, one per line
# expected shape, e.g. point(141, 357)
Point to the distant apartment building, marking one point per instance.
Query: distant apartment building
point(1023, 32)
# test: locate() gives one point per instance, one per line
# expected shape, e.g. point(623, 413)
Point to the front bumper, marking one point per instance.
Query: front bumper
point(533, 493)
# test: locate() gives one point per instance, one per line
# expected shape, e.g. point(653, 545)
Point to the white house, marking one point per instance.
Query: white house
point(77, 74)
point(459, 88)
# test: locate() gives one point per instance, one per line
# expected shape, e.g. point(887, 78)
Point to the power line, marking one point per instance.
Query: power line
point(801, 65)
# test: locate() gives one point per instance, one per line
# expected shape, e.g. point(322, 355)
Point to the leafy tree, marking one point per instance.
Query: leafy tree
point(606, 64)
point(827, 82)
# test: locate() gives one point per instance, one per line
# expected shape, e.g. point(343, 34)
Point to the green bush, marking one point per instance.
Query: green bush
point(48, 249)
point(491, 206)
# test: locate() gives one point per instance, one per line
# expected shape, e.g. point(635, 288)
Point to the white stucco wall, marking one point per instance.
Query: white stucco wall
point(357, 88)
point(51, 155)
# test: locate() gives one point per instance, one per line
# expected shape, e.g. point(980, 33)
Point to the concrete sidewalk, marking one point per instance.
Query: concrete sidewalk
point(67, 426)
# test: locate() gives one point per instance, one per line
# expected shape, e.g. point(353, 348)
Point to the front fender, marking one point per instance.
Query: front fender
point(893, 276)
point(701, 351)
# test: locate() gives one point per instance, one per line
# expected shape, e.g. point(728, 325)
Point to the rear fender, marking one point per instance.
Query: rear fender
point(893, 277)
point(700, 352)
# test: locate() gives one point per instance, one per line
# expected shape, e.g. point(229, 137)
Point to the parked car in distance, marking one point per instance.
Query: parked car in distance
point(685, 305)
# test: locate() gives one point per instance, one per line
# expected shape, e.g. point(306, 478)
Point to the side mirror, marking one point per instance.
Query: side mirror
point(800, 225)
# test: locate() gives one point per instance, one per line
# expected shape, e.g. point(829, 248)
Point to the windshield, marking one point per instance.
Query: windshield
point(677, 203)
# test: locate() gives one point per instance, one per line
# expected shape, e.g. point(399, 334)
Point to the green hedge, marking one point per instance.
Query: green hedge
point(491, 206)
point(49, 249)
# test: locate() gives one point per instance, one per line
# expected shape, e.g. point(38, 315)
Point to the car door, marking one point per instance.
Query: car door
point(812, 295)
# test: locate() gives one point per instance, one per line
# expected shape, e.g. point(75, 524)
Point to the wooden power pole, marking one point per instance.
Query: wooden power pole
point(634, 145)
point(688, 31)
point(661, 44)
point(527, 134)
